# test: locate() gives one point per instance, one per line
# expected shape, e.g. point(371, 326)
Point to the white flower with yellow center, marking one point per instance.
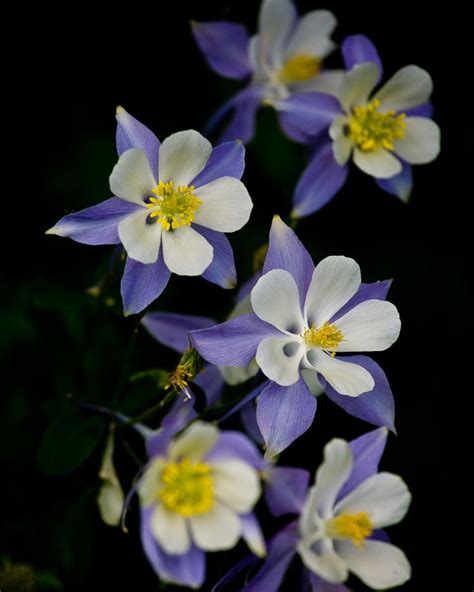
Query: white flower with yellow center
point(197, 494)
point(379, 131)
point(287, 53)
point(338, 534)
point(172, 209)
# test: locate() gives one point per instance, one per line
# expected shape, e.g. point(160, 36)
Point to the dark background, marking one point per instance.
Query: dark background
point(61, 345)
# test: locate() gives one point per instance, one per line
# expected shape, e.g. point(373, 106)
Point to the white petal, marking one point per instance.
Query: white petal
point(409, 87)
point(260, 69)
point(331, 476)
point(236, 375)
point(195, 442)
point(327, 564)
point(275, 299)
point(169, 529)
point(327, 81)
point(379, 565)
point(139, 239)
point(279, 359)
point(182, 156)
point(312, 34)
point(335, 280)
point(236, 485)
point(421, 143)
point(346, 378)
point(311, 379)
point(385, 497)
point(373, 325)
point(357, 85)
point(219, 529)
point(379, 163)
point(276, 21)
point(132, 178)
point(253, 535)
point(110, 501)
point(342, 148)
point(226, 205)
point(150, 482)
point(186, 252)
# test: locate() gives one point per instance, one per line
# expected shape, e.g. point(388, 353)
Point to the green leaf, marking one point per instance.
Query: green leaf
point(68, 442)
point(159, 376)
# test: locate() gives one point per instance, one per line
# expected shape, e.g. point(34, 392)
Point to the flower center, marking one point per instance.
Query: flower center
point(299, 68)
point(172, 207)
point(188, 488)
point(355, 527)
point(370, 130)
point(327, 336)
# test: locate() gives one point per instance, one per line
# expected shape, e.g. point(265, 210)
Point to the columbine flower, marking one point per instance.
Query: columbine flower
point(304, 321)
point(383, 133)
point(197, 494)
point(173, 202)
point(338, 530)
point(285, 57)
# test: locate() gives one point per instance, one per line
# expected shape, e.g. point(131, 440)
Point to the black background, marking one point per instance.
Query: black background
point(80, 63)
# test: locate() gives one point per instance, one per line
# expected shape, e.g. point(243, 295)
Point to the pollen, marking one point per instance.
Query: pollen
point(299, 68)
point(327, 336)
point(370, 129)
point(354, 527)
point(173, 207)
point(178, 379)
point(187, 488)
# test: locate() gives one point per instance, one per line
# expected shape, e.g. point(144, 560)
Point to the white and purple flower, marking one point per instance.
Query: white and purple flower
point(338, 530)
point(304, 321)
point(197, 494)
point(172, 204)
point(283, 58)
point(382, 133)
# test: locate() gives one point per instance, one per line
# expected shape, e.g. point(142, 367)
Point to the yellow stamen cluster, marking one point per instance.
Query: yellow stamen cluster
point(370, 130)
point(355, 527)
point(299, 68)
point(173, 207)
point(327, 336)
point(187, 488)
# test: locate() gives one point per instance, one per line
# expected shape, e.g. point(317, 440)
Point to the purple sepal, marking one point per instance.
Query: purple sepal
point(225, 47)
point(233, 343)
point(172, 329)
point(133, 134)
point(373, 291)
point(187, 569)
point(359, 49)
point(211, 382)
point(242, 123)
point(96, 225)
point(281, 550)
point(226, 160)
point(221, 271)
point(286, 251)
point(141, 283)
point(308, 114)
point(376, 406)
point(232, 444)
point(247, 287)
point(181, 414)
point(319, 183)
point(320, 585)
point(367, 451)
point(283, 414)
point(286, 489)
point(425, 110)
point(248, 417)
point(400, 185)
